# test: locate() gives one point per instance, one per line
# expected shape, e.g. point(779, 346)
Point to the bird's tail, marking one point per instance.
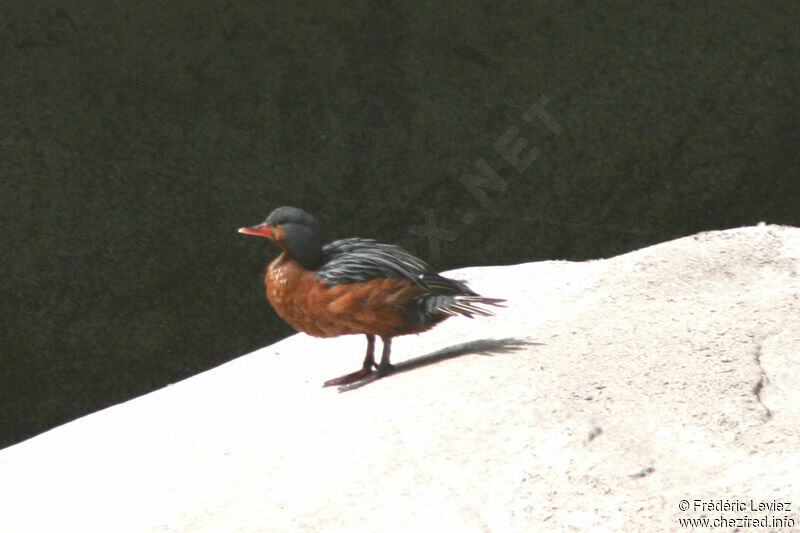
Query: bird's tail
point(466, 305)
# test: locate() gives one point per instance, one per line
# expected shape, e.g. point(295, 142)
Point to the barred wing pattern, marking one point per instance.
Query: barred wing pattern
point(356, 260)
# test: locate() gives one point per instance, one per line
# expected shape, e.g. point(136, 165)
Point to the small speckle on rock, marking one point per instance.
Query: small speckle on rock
point(594, 433)
point(644, 472)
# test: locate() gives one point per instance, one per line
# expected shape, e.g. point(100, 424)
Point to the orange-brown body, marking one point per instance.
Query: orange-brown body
point(308, 304)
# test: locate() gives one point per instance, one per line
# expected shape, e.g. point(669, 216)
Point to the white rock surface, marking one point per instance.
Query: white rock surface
point(665, 374)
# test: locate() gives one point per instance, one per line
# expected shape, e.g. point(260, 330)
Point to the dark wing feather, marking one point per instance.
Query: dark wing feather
point(356, 260)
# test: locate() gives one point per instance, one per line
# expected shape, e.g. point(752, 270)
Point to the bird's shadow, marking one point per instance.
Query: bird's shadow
point(481, 346)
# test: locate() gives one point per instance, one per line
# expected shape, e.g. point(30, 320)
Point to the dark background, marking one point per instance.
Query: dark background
point(135, 137)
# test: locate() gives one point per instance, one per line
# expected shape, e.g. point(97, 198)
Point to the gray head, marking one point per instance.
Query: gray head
point(290, 215)
point(293, 230)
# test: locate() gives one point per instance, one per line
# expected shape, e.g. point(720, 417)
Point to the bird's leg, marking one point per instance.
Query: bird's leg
point(385, 367)
point(369, 358)
point(366, 369)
